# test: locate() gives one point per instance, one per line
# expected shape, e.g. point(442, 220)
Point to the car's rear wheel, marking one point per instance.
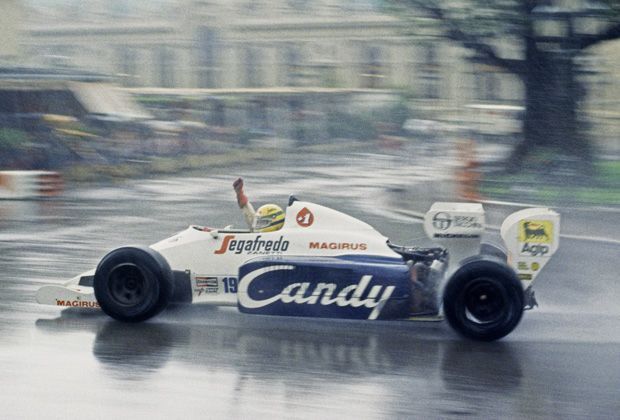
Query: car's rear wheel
point(483, 300)
point(133, 284)
point(488, 248)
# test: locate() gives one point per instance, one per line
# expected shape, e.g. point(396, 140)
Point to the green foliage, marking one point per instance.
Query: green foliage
point(349, 126)
point(610, 7)
point(395, 115)
point(11, 139)
point(474, 23)
point(480, 18)
point(609, 171)
point(363, 126)
point(244, 136)
point(537, 187)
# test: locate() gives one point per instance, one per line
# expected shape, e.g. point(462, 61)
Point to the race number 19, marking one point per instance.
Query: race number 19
point(230, 285)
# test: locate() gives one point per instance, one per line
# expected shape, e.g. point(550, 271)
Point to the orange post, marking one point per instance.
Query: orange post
point(468, 175)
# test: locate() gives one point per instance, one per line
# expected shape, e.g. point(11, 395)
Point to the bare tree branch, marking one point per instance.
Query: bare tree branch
point(486, 52)
point(613, 32)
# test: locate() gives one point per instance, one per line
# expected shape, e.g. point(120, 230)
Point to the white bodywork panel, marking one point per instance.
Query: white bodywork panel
point(309, 230)
point(69, 295)
point(213, 256)
point(531, 236)
point(458, 227)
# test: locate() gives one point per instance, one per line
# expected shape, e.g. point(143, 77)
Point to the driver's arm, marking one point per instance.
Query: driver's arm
point(244, 203)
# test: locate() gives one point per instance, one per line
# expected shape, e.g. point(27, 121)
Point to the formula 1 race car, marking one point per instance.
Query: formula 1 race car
point(324, 263)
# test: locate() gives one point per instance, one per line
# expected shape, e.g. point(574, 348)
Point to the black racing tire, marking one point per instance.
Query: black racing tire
point(488, 248)
point(484, 299)
point(133, 284)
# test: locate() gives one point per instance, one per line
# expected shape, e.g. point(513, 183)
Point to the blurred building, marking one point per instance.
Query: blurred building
point(10, 31)
point(254, 43)
point(231, 44)
point(602, 104)
point(25, 91)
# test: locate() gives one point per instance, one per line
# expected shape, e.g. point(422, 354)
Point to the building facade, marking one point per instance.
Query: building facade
point(10, 30)
point(253, 43)
point(229, 44)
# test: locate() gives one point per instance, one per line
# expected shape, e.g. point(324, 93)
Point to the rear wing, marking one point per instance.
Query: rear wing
point(531, 236)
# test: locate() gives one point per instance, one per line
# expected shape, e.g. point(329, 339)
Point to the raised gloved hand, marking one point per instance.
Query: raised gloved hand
point(242, 199)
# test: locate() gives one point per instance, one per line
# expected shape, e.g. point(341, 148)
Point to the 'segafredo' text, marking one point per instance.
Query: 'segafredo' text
point(252, 246)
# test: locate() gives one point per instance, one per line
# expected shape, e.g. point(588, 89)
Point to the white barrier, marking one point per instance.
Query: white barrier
point(18, 185)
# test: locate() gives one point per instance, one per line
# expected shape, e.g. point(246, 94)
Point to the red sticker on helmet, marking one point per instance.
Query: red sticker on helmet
point(305, 217)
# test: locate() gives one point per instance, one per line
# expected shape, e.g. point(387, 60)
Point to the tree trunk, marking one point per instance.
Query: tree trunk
point(550, 123)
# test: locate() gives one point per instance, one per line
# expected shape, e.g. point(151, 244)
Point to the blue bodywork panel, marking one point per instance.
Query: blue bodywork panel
point(333, 287)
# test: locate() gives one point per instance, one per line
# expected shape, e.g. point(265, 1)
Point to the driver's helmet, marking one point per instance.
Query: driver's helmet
point(269, 218)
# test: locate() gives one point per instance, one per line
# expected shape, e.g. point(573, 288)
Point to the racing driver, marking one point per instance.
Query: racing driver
point(268, 217)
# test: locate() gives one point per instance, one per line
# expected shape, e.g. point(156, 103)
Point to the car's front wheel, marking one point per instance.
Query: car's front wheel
point(133, 284)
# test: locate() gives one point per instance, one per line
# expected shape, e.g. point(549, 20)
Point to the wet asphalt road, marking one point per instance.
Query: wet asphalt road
point(563, 361)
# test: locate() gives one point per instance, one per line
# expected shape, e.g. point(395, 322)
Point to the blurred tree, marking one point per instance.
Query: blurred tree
point(552, 35)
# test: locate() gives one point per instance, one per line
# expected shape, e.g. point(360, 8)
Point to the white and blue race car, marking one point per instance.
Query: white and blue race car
point(324, 263)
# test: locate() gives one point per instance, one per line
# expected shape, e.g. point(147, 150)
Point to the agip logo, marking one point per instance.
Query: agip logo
point(536, 237)
point(536, 231)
